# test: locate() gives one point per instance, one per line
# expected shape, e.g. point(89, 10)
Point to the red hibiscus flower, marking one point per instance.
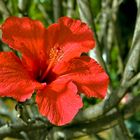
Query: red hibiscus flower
point(50, 63)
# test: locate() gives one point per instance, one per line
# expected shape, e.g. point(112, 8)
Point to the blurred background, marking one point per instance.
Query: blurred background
point(116, 27)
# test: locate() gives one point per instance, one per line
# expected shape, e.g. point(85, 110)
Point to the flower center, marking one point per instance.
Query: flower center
point(48, 68)
point(54, 55)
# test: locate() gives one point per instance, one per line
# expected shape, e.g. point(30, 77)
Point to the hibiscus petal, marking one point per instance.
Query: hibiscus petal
point(87, 74)
point(68, 39)
point(26, 36)
point(59, 102)
point(15, 81)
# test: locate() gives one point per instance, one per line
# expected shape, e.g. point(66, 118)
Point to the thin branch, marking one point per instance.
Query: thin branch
point(132, 81)
point(57, 9)
point(4, 10)
point(70, 4)
point(122, 126)
point(16, 128)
